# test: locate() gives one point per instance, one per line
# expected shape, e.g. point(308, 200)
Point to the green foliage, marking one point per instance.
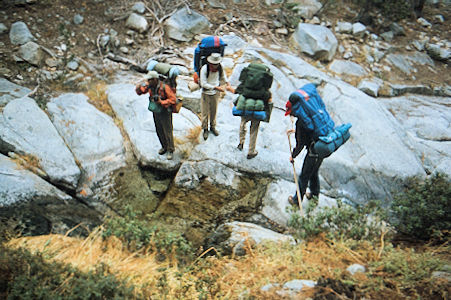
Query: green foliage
point(138, 234)
point(289, 14)
point(393, 10)
point(423, 210)
point(27, 276)
point(408, 269)
point(344, 221)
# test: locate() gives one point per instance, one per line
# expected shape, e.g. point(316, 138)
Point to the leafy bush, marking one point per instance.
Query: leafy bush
point(423, 210)
point(27, 276)
point(343, 221)
point(138, 234)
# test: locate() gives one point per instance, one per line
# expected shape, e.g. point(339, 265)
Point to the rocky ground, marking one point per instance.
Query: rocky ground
point(79, 32)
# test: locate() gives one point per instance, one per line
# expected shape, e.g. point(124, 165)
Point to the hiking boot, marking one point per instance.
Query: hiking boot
point(215, 132)
point(292, 202)
point(252, 155)
point(170, 155)
point(205, 134)
point(162, 151)
point(240, 147)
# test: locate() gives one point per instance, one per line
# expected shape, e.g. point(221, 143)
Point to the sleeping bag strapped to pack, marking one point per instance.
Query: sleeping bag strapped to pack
point(326, 145)
point(307, 105)
point(207, 46)
point(256, 80)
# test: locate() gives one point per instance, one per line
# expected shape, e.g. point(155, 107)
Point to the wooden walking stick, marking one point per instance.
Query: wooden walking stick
point(298, 192)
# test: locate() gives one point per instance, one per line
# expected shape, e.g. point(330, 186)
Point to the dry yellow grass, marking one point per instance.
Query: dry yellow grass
point(96, 93)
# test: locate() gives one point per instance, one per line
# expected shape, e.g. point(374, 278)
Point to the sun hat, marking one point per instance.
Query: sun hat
point(288, 108)
point(214, 58)
point(151, 75)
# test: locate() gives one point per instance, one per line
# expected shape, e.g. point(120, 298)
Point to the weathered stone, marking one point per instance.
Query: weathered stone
point(32, 53)
point(19, 34)
point(92, 136)
point(137, 22)
point(3, 28)
point(316, 41)
point(26, 129)
point(139, 7)
point(184, 25)
point(347, 68)
point(370, 87)
point(10, 91)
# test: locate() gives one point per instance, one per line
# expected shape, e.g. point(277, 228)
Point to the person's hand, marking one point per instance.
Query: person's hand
point(230, 88)
point(290, 131)
point(219, 88)
point(291, 159)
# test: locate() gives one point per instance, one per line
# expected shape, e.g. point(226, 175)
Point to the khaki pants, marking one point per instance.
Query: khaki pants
point(253, 132)
point(163, 125)
point(208, 107)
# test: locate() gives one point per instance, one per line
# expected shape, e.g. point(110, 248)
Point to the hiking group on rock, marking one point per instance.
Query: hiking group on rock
point(315, 130)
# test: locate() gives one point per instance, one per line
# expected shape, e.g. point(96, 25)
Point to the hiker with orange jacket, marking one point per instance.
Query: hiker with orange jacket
point(161, 98)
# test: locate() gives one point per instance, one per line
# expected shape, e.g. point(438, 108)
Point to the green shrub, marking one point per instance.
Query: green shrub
point(343, 221)
point(27, 276)
point(138, 234)
point(423, 209)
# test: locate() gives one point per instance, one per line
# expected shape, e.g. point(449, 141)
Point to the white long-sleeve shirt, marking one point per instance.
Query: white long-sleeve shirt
point(209, 84)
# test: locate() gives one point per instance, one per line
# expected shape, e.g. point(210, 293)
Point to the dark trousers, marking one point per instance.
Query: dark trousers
point(309, 176)
point(163, 125)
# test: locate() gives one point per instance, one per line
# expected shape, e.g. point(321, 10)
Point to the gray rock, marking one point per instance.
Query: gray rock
point(38, 205)
point(370, 87)
point(104, 40)
point(78, 19)
point(10, 91)
point(139, 7)
point(423, 22)
point(401, 89)
point(316, 41)
point(419, 45)
point(397, 29)
point(388, 36)
point(216, 4)
point(73, 65)
point(91, 135)
point(26, 129)
point(356, 268)
point(406, 63)
point(234, 44)
point(32, 53)
point(139, 125)
point(137, 22)
point(426, 120)
point(308, 8)
point(344, 27)
point(438, 53)
point(230, 238)
point(184, 25)
point(347, 68)
point(19, 34)
point(358, 29)
point(442, 275)
point(3, 28)
point(299, 284)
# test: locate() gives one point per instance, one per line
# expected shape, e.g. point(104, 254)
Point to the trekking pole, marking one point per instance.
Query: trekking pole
point(298, 192)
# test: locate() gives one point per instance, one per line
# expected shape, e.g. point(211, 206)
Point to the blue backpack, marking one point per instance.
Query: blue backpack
point(307, 105)
point(207, 46)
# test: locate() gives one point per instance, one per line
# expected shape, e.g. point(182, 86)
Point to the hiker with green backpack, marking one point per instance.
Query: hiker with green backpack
point(161, 100)
point(253, 103)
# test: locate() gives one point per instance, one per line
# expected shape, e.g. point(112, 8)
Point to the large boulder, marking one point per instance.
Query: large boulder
point(427, 121)
point(138, 122)
point(316, 40)
point(185, 24)
point(27, 130)
point(31, 53)
point(91, 135)
point(36, 205)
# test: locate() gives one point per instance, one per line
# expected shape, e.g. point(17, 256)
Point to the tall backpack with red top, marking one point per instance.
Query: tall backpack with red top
point(207, 46)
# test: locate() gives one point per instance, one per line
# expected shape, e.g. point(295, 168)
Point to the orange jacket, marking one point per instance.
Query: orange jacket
point(167, 96)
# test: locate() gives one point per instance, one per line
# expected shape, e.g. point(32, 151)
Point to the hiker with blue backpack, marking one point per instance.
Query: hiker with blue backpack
point(316, 131)
point(212, 76)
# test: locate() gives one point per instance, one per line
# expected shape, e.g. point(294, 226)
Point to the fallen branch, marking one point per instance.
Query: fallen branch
point(124, 60)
